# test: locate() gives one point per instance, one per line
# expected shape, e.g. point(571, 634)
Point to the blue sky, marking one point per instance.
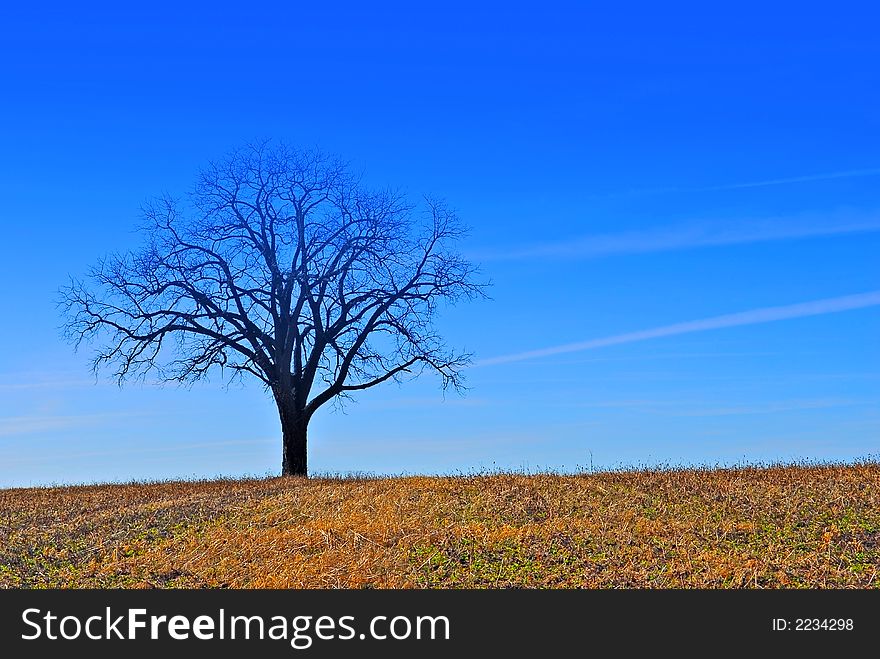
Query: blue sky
point(678, 207)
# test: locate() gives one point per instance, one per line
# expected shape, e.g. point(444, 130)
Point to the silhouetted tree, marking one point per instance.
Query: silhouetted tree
point(281, 266)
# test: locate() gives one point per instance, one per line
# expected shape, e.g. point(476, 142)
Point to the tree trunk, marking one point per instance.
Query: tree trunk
point(294, 433)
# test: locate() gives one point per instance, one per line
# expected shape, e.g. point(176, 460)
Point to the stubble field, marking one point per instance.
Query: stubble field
point(774, 527)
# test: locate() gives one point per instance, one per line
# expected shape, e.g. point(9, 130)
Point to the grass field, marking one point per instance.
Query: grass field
point(774, 527)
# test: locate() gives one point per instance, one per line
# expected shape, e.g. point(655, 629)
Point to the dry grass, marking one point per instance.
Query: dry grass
point(776, 527)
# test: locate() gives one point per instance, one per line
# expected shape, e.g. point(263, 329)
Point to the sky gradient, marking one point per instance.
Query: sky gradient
point(678, 209)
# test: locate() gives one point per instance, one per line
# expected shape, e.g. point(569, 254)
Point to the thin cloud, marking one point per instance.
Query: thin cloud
point(427, 402)
point(779, 407)
point(47, 384)
point(786, 180)
point(125, 451)
point(753, 317)
point(13, 426)
point(698, 408)
point(827, 176)
point(688, 236)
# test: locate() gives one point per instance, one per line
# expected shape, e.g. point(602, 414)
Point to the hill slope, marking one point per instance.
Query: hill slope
point(815, 526)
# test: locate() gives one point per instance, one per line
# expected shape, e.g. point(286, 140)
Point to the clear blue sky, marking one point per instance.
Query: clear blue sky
point(622, 170)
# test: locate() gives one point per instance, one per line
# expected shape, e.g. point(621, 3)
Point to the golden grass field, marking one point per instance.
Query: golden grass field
point(774, 527)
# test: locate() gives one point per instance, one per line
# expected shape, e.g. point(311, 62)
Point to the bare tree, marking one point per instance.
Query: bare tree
point(280, 266)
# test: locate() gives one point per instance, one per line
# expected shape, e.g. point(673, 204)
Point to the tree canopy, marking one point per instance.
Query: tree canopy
point(280, 265)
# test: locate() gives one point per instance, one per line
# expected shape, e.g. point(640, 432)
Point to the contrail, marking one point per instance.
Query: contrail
point(690, 236)
point(753, 317)
point(824, 176)
point(852, 173)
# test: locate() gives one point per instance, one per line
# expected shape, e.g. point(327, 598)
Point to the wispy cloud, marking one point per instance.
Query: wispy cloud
point(753, 317)
point(699, 408)
point(46, 384)
point(826, 176)
point(784, 180)
point(427, 402)
point(778, 407)
point(709, 233)
point(12, 426)
point(52, 379)
point(54, 457)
